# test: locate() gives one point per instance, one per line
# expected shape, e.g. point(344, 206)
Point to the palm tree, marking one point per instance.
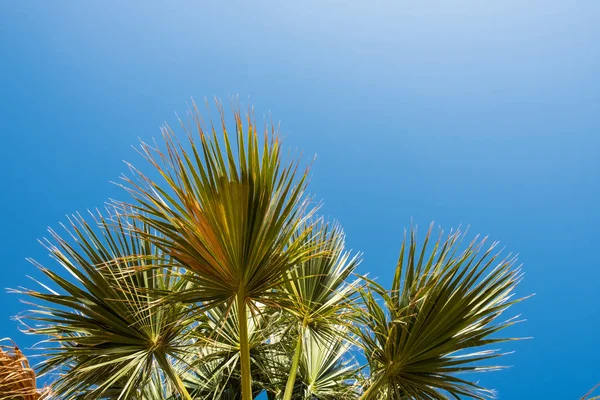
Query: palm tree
point(232, 218)
point(219, 281)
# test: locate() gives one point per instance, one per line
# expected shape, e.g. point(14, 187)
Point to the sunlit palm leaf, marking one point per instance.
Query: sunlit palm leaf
point(106, 340)
point(442, 307)
point(326, 372)
point(17, 379)
point(317, 293)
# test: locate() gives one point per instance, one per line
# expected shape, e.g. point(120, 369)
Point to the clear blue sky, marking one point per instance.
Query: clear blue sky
point(463, 112)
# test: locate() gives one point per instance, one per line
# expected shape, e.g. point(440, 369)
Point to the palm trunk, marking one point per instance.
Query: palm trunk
point(246, 378)
point(289, 388)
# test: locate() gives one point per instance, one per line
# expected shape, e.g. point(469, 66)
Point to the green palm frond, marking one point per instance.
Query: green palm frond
point(229, 214)
point(231, 217)
point(17, 378)
point(106, 339)
point(441, 309)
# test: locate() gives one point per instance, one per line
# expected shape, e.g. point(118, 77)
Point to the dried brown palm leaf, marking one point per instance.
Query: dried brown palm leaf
point(17, 378)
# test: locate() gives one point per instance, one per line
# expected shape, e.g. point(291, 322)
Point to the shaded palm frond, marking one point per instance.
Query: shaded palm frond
point(106, 337)
point(442, 307)
point(17, 378)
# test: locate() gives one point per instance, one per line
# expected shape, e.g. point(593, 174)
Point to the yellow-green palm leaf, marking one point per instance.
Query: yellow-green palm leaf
point(316, 293)
point(590, 393)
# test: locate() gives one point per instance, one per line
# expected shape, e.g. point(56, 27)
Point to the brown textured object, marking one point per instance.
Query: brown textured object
point(17, 378)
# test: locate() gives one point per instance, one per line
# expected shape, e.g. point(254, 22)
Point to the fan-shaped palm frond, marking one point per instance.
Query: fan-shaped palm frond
point(317, 293)
point(230, 217)
point(17, 378)
point(325, 369)
point(106, 339)
point(441, 306)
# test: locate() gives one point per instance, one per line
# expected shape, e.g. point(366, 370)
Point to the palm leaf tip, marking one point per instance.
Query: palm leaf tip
point(588, 395)
point(444, 305)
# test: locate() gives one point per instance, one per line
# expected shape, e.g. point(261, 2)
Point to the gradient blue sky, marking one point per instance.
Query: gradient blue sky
point(463, 112)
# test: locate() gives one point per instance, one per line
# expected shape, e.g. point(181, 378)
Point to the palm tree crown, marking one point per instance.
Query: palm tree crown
point(217, 280)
